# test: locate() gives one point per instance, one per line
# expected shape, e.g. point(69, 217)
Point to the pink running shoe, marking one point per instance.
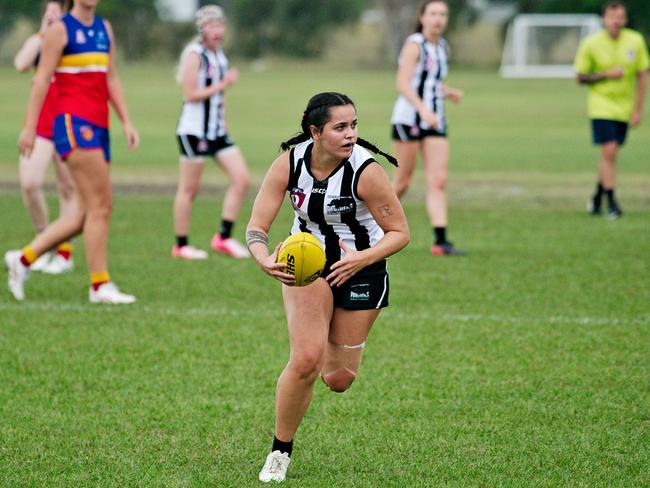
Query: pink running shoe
point(229, 246)
point(188, 252)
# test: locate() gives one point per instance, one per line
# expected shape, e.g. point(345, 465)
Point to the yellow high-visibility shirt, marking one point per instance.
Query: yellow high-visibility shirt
point(599, 52)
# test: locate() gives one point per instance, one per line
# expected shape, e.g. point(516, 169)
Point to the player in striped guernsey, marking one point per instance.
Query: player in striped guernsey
point(419, 122)
point(33, 170)
point(79, 48)
point(343, 197)
point(202, 132)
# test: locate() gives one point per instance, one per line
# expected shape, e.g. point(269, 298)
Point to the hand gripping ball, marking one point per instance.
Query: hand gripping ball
point(305, 257)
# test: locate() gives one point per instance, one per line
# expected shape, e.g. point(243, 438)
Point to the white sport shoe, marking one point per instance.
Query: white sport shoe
point(18, 274)
point(58, 264)
point(43, 260)
point(188, 252)
point(275, 467)
point(109, 293)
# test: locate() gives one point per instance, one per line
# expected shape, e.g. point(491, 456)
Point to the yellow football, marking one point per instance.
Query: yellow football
point(305, 257)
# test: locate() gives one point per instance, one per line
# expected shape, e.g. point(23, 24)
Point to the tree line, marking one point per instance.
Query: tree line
point(288, 27)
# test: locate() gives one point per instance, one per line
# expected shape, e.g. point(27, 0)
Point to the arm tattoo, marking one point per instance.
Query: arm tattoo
point(385, 211)
point(253, 236)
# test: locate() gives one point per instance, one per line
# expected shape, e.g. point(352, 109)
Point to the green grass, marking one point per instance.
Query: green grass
point(525, 364)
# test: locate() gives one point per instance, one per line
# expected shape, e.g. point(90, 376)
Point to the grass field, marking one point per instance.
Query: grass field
point(525, 364)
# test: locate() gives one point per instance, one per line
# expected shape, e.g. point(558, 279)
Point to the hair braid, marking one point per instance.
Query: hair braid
point(371, 147)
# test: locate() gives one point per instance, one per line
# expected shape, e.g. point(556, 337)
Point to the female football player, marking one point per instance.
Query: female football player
point(202, 132)
point(419, 123)
point(344, 198)
point(33, 169)
point(80, 50)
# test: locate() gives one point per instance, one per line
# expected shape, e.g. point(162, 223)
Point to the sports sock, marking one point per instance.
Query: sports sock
point(599, 192)
point(611, 201)
point(98, 279)
point(28, 256)
point(226, 229)
point(65, 250)
point(278, 445)
point(440, 235)
point(182, 241)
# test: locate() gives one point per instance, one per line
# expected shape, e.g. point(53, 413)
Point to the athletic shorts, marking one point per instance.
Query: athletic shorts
point(406, 133)
point(366, 290)
point(604, 131)
point(193, 147)
point(72, 132)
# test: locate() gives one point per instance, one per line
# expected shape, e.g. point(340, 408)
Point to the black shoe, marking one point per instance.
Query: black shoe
point(593, 206)
point(614, 212)
point(446, 249)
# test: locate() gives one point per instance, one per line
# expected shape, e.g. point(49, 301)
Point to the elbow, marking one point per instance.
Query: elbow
point(20, 67)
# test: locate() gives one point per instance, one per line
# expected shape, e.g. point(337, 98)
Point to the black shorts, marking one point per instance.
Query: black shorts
point(193, 147)
point(604, 131)
point(366, 290)
point(407, 133)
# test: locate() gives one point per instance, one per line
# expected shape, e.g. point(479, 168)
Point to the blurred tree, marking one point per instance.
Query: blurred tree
point(402, 15)
point(291, 27)
point(638, 10)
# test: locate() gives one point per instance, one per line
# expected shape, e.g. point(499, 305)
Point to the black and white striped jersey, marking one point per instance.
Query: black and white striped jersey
point(206, 119)
point(331, 209)
point(430, 72)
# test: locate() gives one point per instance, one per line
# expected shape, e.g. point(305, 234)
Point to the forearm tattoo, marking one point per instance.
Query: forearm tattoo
point(385, 211)
point(253, 236)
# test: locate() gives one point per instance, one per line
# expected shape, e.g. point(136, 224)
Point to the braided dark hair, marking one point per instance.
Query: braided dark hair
point(317, 114)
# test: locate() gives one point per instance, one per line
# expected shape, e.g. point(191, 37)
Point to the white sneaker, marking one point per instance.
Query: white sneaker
point(275, 467)
point(43, 260)
point(58, 264)
point(188, 252)
point(18, 274)
point(108, 293)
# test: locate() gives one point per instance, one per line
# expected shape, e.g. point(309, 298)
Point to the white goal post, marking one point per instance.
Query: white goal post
point(544, 45)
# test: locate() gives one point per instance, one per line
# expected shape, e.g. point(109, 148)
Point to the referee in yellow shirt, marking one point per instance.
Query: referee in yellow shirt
point(611, 62)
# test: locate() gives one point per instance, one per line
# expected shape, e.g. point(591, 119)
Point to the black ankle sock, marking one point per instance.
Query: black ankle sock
point(610, 197)
point(226, 229)
point(278, 445)
point(440, 235)
point(181, 241)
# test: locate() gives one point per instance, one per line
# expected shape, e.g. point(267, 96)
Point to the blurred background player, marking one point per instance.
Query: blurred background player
point(344, 198)
point(610, 62)
point(419, 122)
point(33, 169)
point(202, 131)
point(80, 49)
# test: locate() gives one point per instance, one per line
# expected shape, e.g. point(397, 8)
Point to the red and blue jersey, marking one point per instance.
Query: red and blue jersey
point(81, 73)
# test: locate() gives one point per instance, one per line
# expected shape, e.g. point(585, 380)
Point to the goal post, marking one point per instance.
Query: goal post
point(544, 45)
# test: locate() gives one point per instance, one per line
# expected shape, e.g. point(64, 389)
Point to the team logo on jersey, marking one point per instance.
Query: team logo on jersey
point(340, 205)
point(80, 38)
point(86, 132)
point(429, 64)
point(631, 54)
point(102, 42)
point(297, 197)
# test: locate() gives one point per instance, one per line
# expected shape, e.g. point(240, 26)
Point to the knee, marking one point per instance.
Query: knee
point(307, 364)
point(66, 191)
point(340, 380)
point(187, 193)
point(241, 183)
point(31, 186)
point(439, 184)
point(101, 209)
